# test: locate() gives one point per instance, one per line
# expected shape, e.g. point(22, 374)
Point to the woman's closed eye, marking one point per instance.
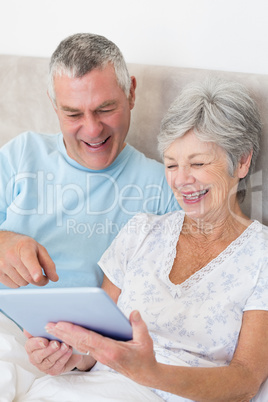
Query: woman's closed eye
point(171, 166)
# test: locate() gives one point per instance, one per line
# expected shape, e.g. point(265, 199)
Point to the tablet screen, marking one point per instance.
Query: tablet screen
point(91, 308)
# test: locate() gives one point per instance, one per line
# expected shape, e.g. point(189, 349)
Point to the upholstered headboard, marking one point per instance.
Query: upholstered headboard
point(24, 105)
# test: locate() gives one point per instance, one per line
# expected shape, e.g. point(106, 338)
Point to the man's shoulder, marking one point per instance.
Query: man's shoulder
point(31, 137)
point(136, 155)
point(40, 138)
point(28, 149)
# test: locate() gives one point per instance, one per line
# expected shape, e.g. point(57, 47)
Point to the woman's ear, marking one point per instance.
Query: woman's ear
point(244, 165)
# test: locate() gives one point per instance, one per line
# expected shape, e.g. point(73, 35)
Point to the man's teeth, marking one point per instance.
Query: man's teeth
point(97, 144)
point(194, 196)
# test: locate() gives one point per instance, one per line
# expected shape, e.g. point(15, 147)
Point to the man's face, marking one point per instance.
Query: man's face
point(94, 116)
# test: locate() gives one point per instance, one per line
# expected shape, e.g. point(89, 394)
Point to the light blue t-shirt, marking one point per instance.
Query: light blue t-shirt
point(75, 212)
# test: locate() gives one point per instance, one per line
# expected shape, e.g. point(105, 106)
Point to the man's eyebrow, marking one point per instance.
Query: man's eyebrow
point(111, 102)
point(69, 109)
point(108, 103)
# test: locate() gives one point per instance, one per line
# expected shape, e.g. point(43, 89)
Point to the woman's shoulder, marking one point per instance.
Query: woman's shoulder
point(257, 235)
point(145, 222)
point(259, 228)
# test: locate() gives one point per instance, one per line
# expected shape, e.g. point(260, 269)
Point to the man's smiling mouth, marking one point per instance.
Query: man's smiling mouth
point(96, 144)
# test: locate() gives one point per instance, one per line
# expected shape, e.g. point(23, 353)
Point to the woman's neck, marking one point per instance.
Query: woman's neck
point(223, 228)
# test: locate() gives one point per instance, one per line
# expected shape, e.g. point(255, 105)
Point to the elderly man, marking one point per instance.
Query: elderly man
point(65, 197)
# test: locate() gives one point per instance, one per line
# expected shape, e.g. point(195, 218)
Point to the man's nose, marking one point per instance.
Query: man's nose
point(92, 125)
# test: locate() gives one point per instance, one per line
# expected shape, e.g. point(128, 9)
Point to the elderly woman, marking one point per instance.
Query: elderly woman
point(194, 282)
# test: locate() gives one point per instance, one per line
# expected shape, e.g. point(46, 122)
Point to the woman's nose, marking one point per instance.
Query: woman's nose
point(183, 176)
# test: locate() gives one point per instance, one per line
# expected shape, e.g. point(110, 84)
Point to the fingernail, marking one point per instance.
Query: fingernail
point(64, 346)
point(59, 326)
point(136, 316)
point(36, 277)
point(49, 329)
point(55, 345)
point(41, 344)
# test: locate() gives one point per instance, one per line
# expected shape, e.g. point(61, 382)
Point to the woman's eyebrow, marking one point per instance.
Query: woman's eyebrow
point(168, 157)
point(198, 154)
point(189, 157)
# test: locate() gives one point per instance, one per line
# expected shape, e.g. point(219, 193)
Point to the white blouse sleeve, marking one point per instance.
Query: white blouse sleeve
point(259, 298)
point(115, 259)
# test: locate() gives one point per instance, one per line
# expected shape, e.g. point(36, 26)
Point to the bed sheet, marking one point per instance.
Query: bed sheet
point(20, 381)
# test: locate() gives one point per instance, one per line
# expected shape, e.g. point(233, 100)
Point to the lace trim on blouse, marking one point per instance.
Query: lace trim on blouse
point(254, 227)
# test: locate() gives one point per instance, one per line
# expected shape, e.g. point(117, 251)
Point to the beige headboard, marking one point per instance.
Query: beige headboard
point(24, 105)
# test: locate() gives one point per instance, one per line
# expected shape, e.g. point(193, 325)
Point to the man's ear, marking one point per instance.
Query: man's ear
point(244, 165)
point(52, 102)
point(132, 94)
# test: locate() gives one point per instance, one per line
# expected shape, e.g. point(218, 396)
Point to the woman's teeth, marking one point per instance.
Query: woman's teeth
point(195, 195)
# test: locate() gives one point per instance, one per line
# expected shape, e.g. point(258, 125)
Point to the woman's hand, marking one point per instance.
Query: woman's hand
point(53, 357)
point(134, 359)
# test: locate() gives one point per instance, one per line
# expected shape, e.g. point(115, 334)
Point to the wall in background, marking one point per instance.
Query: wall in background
point(229, 35)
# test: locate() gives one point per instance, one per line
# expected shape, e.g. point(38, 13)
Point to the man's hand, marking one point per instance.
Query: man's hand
point(23, 261)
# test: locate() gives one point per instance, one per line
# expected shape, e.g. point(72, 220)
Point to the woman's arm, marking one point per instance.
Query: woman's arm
point(112, 290)
point(239, 381)
point(135, 359)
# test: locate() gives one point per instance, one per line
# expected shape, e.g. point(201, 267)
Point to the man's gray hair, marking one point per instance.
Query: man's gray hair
point(218, 111)
point(81, 53)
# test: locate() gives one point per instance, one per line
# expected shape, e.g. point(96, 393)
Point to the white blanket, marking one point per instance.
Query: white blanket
point(20, 381)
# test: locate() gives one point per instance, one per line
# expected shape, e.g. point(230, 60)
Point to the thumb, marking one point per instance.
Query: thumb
point(47, 264)
point(27, 334)
point(140, 330)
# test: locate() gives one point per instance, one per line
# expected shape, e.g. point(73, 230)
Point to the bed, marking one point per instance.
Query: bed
point(24, 105)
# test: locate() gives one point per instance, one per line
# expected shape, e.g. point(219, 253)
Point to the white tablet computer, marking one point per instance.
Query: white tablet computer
point(91, 308)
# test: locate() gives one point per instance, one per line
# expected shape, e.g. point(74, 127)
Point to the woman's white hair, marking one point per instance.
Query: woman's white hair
point(218, 111)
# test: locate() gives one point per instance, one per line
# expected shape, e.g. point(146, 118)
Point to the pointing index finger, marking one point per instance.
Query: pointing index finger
point(36, 260)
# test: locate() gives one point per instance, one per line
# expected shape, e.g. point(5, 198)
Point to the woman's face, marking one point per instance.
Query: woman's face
point(198, 174)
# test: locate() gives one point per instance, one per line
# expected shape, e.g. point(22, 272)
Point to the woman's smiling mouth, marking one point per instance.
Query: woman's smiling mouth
point(195, 196)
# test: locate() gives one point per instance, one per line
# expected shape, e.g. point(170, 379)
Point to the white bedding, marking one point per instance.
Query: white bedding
point(22, 382)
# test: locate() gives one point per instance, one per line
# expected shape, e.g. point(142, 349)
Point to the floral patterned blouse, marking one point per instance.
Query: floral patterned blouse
point(195, 323)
